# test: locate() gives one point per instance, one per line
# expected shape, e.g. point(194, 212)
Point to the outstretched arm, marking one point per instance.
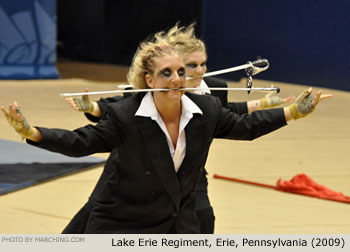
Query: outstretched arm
point(84, 104)
point(77, 143)
point(93, 110)
point(304, 105)
point(20, 124)
point(262, 122)
point(269, 101)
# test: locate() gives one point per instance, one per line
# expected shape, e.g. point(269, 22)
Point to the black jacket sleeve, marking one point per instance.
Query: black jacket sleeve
point(235, 107)
point(87, 140)
point(103, 103)
point(239, 108)
point(249, 126)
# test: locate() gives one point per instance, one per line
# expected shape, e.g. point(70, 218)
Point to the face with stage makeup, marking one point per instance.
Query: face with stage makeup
point(168, 71)
point(157, 64)
point(196, 66)
point(192, 49)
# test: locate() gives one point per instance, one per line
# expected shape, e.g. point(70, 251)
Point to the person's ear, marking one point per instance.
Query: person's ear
point(149, 80)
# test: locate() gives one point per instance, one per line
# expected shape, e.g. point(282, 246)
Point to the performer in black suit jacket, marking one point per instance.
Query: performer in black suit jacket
point(162, 140)
point(195, 58)
point(204, 210)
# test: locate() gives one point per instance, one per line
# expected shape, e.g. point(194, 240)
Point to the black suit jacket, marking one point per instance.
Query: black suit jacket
point(203, 208)
point(144, 194)
point(236, 107)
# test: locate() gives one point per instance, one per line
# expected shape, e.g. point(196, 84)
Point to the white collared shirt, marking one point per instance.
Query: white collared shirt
point(148, 109)
point(202, 92)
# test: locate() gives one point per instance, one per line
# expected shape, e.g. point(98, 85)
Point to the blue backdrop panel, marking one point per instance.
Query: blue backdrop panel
point(306, 42)
point(28, 39)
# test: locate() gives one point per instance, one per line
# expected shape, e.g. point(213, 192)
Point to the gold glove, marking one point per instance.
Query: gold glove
point(302, 106)
point(271, 100)
point(20, 124)
point(84, 104)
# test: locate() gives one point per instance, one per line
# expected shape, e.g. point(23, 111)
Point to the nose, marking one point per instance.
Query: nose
point(199, 70)
point(176, 79)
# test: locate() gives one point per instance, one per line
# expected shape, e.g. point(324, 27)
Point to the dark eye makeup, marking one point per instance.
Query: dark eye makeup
point(181, 72)
point(167, 72)
point(194, 65)
point(191, 65)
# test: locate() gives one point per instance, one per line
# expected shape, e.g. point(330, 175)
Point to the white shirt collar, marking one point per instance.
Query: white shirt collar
point(202, 85)
point(148, 108)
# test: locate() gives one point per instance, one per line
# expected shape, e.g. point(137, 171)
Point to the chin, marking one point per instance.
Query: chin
point(175, 94)
point(194, 83)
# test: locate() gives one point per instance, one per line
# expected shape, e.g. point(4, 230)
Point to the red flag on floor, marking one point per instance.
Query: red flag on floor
point(299, 184)
point(303, 184)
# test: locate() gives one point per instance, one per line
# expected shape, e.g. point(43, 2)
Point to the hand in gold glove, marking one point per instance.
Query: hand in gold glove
point(305, 103)
point(18, 121)
point(83, 104)
point(272, 100)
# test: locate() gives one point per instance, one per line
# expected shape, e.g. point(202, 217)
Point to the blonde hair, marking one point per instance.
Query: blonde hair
point(177, 41)
point(143, 61)
point(183, 39)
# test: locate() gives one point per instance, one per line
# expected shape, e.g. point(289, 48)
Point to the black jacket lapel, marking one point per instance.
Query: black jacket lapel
point(193, 160)
point(158, 151)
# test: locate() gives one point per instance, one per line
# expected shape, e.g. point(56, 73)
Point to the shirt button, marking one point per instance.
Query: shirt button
point(147, 172)
point(174, 215)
